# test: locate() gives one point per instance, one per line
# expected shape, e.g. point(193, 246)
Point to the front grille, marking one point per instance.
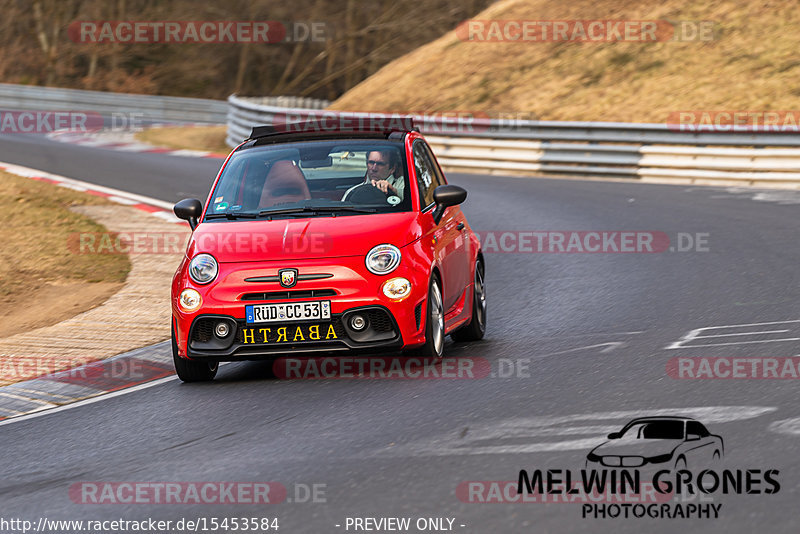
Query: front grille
point(285, 295)
point(203, 330)
point(300, 277)
point(379, 321)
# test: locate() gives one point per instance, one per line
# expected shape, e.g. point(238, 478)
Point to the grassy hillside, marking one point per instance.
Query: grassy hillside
point(752, 63)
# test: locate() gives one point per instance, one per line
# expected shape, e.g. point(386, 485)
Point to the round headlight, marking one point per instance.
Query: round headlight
point(397, 288)
point(383, 259)
point(190, 300)
point(203, 268)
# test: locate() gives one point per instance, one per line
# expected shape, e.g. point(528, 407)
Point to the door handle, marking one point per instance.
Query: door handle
point(460, 226)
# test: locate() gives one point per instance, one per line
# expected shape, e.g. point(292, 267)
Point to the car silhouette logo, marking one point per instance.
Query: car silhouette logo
point(674, 442)
point(288, 277)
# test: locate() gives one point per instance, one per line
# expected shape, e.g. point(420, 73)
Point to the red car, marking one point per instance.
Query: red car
point(315, 241)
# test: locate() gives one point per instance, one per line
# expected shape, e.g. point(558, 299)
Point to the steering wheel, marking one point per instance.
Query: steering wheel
point(367, 194)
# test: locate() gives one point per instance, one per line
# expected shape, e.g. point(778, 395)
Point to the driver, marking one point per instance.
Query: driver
point(383, 171)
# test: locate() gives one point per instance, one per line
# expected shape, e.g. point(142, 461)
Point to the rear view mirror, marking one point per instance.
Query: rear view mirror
point(316, 163)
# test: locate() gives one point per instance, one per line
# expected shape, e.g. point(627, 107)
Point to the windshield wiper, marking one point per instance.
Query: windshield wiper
point(314, 209)
point(232, 216)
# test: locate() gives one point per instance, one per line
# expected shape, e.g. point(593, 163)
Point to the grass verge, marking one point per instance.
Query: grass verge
point(210, 138)
point(42, 281)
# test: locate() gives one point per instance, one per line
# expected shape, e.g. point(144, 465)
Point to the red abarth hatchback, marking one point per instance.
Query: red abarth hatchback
point(320, 241)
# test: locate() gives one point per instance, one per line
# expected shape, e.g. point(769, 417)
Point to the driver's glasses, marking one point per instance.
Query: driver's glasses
point(374, 163)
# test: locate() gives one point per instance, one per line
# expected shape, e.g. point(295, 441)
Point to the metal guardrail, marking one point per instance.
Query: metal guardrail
point(246, 112)
point(656, 152)
point(151, 107)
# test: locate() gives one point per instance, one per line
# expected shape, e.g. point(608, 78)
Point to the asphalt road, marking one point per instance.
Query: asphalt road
point(586, 336)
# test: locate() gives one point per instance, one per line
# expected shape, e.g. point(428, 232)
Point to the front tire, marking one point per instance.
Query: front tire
point(476, 328)
point(434, 323)
point(191, 370)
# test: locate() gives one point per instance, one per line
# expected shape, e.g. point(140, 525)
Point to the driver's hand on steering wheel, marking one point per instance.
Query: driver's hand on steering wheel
point(384, 186)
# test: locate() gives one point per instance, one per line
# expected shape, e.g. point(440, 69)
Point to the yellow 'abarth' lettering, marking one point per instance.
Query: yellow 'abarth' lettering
point(298, 332)
point(281, 334)
point(264, 332)
point(331, 333)
point(313, 332)
point(249, 334)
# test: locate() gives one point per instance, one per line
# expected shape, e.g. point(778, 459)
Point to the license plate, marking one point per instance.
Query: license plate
point(261, 335)
point(288, 312)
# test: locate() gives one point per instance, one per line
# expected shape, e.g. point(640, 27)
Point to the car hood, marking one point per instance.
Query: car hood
point(306, 238)
point(637, 447)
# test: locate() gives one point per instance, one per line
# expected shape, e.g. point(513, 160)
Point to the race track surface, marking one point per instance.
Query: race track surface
point(585, 337)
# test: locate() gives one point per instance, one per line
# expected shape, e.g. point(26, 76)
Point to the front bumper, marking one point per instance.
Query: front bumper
point(347, 285)
point(381, 332)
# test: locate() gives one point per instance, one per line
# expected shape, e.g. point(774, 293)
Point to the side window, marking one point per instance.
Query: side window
point(693, 427)
point(438, 177)
point(428, 175)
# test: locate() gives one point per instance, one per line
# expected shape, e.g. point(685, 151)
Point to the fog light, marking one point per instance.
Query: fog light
point(190, 300)
point(358, 323)
point(397, 288)
point(222, 329)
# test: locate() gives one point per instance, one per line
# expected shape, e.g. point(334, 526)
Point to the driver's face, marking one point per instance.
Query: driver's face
point(378, 166)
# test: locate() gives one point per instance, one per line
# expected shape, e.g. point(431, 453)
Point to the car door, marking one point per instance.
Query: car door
point(448, 238)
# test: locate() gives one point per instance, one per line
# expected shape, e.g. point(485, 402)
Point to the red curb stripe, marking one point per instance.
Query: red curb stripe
point(98, 193)
point(82, 140)
point(43, 179)
point(140, 206)
point(113, 375)
point(147, 208)
point(113, 145)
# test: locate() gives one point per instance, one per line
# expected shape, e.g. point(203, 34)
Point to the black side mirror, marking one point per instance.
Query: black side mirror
point(614, 435)
point(189, 209)
point(446, 196)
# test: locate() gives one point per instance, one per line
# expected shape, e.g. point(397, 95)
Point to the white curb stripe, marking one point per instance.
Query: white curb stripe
point(114, 195)
point(89, 139)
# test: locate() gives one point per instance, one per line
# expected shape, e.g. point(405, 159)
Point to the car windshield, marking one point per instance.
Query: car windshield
point(313, 178)
point(655, 430)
